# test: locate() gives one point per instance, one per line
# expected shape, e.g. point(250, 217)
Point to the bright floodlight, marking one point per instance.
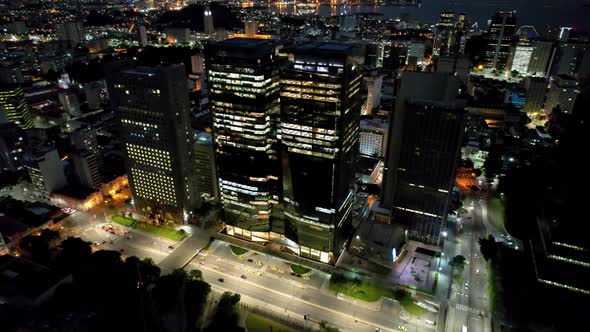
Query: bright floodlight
point(444, 233)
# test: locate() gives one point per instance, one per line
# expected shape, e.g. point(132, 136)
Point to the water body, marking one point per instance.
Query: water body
point(539, 13)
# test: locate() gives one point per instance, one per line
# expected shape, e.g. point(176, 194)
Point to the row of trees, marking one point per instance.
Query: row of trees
point(112, 293)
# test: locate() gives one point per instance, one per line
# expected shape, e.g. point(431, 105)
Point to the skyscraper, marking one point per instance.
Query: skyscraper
point(153, 107)
point(536, 91)
point(522, 56)
point(12, 142)
point(208, 21)
point(424, 146)
point(142, 38)
point(243, 80)
point(563, 92)
point(70, 31)
point(14, 107)
point(320, 109)
point(444, 42)
point(500, 37)
point(542, 52)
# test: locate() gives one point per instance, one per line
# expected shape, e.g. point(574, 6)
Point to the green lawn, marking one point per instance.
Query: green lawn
point(163, 231)
point(299, 269)
point(496, 215)
point(124, 221)
point(407, 302)
point(237, 250)
point(358, 289)
point(257, 323)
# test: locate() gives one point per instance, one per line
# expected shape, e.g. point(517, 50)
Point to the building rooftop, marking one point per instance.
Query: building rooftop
point(22, 279)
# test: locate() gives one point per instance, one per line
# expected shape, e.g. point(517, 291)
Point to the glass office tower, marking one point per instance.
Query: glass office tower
point(319, 128)
point(243, 81)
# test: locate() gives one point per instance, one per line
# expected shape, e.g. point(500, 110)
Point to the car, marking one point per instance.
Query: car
point(171, 247)
point(202, 262)
point(220, 280)
point(477, 271)
point(402, 328)
point(250, 260)
point(243, 276)
point(466, 285)
point(216, 267)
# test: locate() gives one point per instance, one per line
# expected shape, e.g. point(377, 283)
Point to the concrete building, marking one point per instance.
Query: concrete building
point(46, 171)
point(568, 58)
point(424, 147)
point(536, 91)
point(84, 138)
point(12, 143)
point(373, 84)
point(14, 107)
point(11, 75)
point(177, 35)
point(85, 169)
point(73, 32)
point(459, 65)
point(500, 37)
point(204, 160)
point(69, 102)
point(142, 38)
point(208, 21)
point(153, 107)
point(540, 58)
point(563, 92)
point(374, 137)
point(415, 53)
point(522, 55)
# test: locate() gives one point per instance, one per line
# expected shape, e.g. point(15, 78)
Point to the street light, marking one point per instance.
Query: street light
point(444, 234)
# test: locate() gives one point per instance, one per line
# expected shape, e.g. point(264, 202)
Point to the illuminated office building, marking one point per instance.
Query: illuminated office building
point(499, 39)
point(14, 107)
point(522, 56)
point(320, 109)
point(444, 41)
point(153, 107)
point(243, 82)
point(208, 21)
point(425, 143)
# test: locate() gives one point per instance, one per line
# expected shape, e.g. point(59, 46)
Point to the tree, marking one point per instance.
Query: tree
point(493, 163)
point(36, 247)
point(488, 247)
point(195, 275)
point(50, 236)
point(459, 261)
point(74, 252)
point(326, 327)
point(226, 316)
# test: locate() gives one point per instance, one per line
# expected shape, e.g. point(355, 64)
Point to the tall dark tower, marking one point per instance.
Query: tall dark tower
point(243, 80)
point(500, 38)
point(424, 147)
point(320, 109)
point(153, 107)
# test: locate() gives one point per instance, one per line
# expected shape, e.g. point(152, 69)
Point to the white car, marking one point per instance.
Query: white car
point(477, 271)
point(466, 285)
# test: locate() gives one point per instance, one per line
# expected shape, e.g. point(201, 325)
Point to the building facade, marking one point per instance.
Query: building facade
point(500, 37)
point(425, 144)
point(563, 92)
point(320, 109)
point(243, 81)
point(374, 137)
point(153, 108)
point(14, 107)
point(536, 91)
point(206, 174)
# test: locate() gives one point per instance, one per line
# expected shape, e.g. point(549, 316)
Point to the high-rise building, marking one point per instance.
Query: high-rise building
point(373, 137)
point(373, 84)
point(500, 37)
point(85, 169)
point(11, 75)
point(46, 171)
point(522, 56)
point(416, 50)
point(142, 38)
point(204, 158)
point(536, 91)
point(153, 107)
point(563, 92)
point(83, 138)
point(250, 28)
point(424, 147)
point(69, 102)
point(243, 82)
point(459, 65)
point(14, 107)
point(320, 109)
point(208, 21)
point(540, 58)
point(12, 143)
point(446, 32)
point(568, 58)
point(70, 31)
